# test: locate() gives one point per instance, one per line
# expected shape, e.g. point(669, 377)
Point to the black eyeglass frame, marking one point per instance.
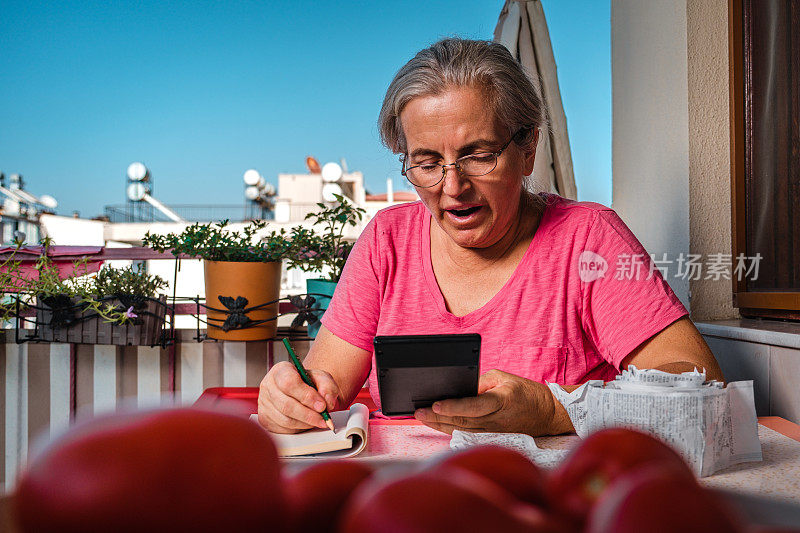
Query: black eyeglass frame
point(455, 164)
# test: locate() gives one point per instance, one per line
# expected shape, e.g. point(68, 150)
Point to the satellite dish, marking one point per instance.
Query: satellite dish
point(136, 191)
point(251, 193)
point(251, 177)
point(48, 201)
point(269, 189)
point(137, 172)
point(331, 172)
point(261, 182)
point(330, 189)
point(313, 165)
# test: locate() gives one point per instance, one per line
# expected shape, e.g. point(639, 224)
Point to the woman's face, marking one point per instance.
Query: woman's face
point(474, 211)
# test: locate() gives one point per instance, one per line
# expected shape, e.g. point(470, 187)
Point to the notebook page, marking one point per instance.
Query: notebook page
point(349, 438)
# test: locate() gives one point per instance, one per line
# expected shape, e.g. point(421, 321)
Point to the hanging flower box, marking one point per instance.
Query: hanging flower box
point(60, 319)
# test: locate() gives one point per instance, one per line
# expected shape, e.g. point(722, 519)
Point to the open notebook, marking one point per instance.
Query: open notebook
point(349, 439)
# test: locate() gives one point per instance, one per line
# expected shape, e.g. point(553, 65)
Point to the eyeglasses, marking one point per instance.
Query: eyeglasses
point(478, 164)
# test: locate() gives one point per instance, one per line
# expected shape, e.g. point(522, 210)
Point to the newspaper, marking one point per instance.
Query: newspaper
point(711, 425)
point(575, 402)
point(523, 444)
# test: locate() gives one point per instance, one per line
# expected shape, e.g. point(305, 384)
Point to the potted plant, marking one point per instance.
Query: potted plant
point(325, 252)
point(242, 276)
point(114, 306)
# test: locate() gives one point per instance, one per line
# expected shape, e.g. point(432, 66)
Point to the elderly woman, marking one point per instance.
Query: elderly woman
point(560, 291)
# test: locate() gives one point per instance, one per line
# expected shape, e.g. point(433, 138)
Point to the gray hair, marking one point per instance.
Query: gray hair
point(464, 63)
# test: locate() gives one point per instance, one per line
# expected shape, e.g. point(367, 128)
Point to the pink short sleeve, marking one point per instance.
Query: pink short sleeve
point(353, 312)
point(625, 298)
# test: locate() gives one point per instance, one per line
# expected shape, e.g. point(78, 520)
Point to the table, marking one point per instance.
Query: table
point(776, 477)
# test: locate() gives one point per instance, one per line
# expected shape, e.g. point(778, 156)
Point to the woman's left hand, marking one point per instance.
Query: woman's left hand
point(505, 404)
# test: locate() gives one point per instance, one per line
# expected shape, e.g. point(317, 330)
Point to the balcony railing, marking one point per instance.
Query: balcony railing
point(177, 305)
point(191, 213)
point(47, 385)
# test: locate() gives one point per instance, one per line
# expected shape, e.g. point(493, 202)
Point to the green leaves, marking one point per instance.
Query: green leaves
point(303, 248)
point(214, 242)
point(87, 290)
point(113, 281)
point(313, 251)
point(11, 277)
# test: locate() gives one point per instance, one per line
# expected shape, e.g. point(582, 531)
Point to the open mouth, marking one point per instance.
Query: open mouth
point(464, 212)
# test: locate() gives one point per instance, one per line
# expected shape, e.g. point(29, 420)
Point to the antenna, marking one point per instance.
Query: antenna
point(139, 190)
point(331, 172)
point(258, 191)
point(136, 191)
point(251, 193)
point(313, 165)
point(21, 201)
point(15, 182)
point(138, 172)
point(48, 201)
point(336, 181)
point(329, 190)
point(251, 177)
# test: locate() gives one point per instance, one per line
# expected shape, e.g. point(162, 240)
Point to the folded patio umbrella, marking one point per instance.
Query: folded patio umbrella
point(522, 29)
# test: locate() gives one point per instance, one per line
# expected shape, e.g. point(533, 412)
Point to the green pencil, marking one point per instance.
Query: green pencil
point(307, 379)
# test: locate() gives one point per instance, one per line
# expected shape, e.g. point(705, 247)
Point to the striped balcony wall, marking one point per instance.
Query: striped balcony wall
point(45, 386)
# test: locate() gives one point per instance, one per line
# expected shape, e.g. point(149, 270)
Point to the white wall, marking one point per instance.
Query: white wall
point(68, 231)
point(300, 188)
point(650, 142)
point(709, 151)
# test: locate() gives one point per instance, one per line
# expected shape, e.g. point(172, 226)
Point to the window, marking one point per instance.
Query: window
point(765, 154)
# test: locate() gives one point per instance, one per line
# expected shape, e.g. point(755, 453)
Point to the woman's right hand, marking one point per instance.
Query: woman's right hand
point(287, 405)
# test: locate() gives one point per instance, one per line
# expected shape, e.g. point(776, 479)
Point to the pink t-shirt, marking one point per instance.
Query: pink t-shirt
point(583, 297)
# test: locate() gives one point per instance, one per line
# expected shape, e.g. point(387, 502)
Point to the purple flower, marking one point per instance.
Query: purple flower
point(130, 314)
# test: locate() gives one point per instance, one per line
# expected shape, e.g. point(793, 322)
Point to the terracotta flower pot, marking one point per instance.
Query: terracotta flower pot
point(258, 283)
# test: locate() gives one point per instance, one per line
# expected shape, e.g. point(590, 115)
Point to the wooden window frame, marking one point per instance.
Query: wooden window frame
point(781, 305)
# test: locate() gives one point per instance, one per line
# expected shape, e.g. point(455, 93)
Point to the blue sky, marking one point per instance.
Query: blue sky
point(202, 91)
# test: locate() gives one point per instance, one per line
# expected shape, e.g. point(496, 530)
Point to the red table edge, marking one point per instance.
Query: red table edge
point(781, 425)
point(250, 395)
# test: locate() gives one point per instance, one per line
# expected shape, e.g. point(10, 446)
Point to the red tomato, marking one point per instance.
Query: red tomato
point(445, 500)
point(578, 482)
point(177, 470)
point(317, 494)
point(508, 468)
point(659, 499)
